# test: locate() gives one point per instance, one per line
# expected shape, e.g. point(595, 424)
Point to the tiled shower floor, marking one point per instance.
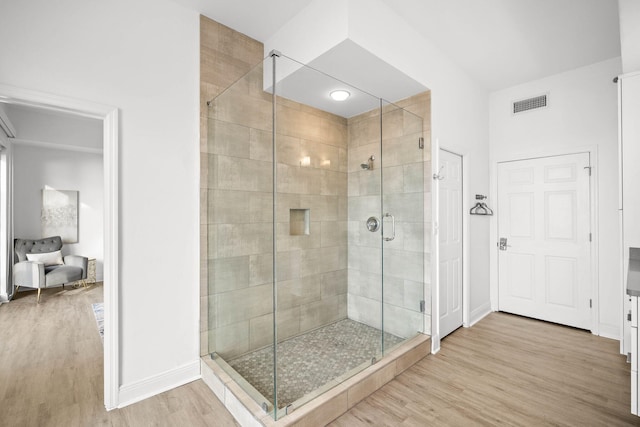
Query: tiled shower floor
point(309, 361)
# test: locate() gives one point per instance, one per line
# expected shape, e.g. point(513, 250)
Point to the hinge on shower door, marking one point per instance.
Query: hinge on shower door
point(422, 306)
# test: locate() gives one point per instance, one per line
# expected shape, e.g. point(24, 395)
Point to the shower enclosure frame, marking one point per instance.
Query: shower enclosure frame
point(386, 219)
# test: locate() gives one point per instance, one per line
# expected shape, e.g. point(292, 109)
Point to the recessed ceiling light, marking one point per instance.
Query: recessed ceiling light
point(339, 95)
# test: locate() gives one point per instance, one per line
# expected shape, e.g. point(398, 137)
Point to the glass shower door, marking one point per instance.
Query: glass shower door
point(403, 245)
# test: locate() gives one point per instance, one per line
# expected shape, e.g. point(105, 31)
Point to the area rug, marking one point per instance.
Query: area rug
point(98, 312)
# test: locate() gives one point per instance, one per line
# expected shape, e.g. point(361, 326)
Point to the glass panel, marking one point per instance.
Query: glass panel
point(328, 264)
point(403, 225)
point(299, 278)
point(239, 201)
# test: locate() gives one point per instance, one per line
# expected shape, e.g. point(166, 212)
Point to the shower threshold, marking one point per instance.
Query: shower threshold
point(322, 373)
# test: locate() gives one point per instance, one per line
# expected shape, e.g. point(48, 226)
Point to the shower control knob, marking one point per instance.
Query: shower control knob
point(373, 224)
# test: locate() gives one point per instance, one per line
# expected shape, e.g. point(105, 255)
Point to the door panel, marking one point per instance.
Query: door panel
point(450, 242)
point(544, 213)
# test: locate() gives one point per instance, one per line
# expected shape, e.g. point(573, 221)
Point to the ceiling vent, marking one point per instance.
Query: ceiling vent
point(529, 104)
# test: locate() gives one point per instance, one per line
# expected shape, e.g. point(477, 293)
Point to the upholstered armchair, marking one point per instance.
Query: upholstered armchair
point(39, 264)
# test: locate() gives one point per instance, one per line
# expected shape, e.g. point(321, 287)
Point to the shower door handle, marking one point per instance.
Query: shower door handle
point(393, 227)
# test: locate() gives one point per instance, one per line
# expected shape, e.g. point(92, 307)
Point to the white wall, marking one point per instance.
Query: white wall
point(629, 11)
point(38, 168)
point(459, 105)
point(141, 57)
point(582, 114)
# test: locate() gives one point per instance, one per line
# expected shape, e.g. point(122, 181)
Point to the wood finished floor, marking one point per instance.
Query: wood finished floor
point(506, 370)
point(51, 370)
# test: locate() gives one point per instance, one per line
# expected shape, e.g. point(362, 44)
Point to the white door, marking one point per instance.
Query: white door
point(450, 242)
point(544, 215)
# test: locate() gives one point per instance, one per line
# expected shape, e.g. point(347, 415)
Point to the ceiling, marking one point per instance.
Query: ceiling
point(502, 43)
point(499, 43)
point(44, 126)
point(258, 19)
point(310, 87)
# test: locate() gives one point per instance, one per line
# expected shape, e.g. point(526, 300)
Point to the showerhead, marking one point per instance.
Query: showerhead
point(369, 164)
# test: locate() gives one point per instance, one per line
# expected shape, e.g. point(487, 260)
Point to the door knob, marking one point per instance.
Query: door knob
point(503, 244)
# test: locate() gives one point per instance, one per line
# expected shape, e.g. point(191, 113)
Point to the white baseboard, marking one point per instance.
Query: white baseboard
point(479, 313)
point(609, 331)
point(143, 389)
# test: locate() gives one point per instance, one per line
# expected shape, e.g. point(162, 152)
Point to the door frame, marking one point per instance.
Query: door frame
point(110, 126)
point(435, 247)
point(593, 223)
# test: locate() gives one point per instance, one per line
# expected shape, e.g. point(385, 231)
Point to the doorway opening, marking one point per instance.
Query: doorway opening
point(108, 116)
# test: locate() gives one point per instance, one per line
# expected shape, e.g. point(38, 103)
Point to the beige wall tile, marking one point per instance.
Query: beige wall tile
point(209, 164)
point(402, 322)
point(288, 242)
point(288, 265)
point(298, 292)
point(243, 239)
point(413, 178)
point(320, 313)
point(260, 269)
point(261, 331)
point(228, 139)
point(228, 274)
point(334, 283)
point(244, 174)
point(260, 145)
point(242, 305)
point(365, 310)
point(288, 323)
point(230, 340)
point(333, 183)
point(333, 233)
point(320, 260)
point(369, 182)
point(404, 264)
point(228, 206)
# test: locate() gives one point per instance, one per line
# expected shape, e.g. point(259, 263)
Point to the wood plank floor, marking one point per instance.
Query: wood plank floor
point(51, 370)
point(507, 370)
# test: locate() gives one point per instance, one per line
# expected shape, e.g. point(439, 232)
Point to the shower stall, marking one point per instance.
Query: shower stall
point(315, 230)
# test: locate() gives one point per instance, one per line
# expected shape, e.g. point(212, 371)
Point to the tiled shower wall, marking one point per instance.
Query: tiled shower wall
point(236, 291)
point(406, 194)
point(225, 56)
point(311, 185)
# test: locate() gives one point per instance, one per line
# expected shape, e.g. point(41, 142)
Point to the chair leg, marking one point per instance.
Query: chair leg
point(38, 300)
